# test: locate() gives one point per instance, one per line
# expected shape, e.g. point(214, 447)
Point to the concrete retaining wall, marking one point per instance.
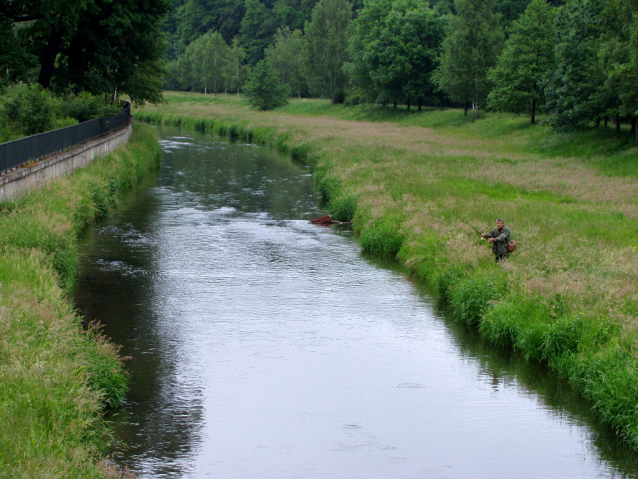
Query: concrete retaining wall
point(14, 182)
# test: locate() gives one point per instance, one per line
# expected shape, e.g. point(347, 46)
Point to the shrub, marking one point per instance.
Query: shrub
point(264, 90)
point(84, 107)
point(472, 295)
point(32, 110)
point(343, 208)
point(383, 238)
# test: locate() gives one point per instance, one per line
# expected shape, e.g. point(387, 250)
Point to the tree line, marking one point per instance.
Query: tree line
point(574, 59)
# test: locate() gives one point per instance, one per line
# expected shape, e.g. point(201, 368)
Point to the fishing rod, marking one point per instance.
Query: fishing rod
point(480, 234)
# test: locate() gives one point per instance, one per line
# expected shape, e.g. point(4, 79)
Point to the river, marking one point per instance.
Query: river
point(262, 346)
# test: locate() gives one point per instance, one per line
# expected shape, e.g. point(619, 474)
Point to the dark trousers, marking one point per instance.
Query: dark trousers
point(502, 257)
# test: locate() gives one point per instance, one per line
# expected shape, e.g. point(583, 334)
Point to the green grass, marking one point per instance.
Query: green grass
point(56, 379)
point(415, 183)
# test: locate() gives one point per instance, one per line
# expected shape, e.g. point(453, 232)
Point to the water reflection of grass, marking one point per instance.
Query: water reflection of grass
point(569, 295)
point(56, 379)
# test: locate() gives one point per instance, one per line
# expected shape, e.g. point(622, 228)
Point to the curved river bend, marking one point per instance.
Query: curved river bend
point(265, 347)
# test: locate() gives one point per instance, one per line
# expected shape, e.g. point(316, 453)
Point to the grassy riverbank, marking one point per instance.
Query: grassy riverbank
point(55, 379)
point(415, 182)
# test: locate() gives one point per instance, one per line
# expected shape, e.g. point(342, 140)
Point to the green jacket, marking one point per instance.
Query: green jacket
point(501, 240)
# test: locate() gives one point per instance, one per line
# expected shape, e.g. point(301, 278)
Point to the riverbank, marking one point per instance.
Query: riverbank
point(417, 182)
point(56, 378)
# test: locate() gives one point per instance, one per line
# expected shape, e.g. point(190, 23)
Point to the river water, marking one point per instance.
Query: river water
point(265, 347)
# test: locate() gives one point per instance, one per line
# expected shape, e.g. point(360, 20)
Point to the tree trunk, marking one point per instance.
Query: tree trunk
point(598, 122)
point(476, 95)
point(408, 104)
point(533, 110)
point(605, 122)
point(466, 107)
point(395, 104)
point(618, 123)
point(420, 103)
point(47, 59)
point(633, 125)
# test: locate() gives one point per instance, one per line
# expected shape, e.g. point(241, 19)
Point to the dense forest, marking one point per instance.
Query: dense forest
point(574, 59)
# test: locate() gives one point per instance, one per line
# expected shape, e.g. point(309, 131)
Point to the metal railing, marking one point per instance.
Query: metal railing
point(17, 152)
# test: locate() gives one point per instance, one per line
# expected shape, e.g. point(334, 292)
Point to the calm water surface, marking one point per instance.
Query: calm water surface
point(265, 347)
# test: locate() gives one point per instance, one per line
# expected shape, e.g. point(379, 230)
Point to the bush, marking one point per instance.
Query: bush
point(84, 107)
point(264, 90)
point(343, 208)
point(383, 238)
point(472, 296)
point(32, 110)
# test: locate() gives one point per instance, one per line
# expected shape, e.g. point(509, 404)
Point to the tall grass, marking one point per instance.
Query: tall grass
point(56, 379)
point(418, 183)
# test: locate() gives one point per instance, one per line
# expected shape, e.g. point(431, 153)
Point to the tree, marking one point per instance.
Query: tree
point(510, 10)
point(326, 48)
point(264, 90)
point(575, 89)
point(197, 17)
point(292, 14)
point(98, 46)
point(286, 56)
point(527, 58)
point(469, 50)
point(395, 50)
point(258, 27)
point(206, 63)
point(236, 69)
point(619, 58)
point(364, 47)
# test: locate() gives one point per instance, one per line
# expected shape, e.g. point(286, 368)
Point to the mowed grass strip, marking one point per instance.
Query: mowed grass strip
point(56, 380)
point(417, 182)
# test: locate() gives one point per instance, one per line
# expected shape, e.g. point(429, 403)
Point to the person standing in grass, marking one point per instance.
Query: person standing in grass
point(500, 239)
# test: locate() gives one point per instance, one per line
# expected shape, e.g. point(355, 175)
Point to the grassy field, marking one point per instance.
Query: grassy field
point(55, 378)
point(417, 182)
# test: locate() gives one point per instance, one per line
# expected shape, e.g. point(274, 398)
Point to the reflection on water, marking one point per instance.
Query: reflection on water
point(266, 347)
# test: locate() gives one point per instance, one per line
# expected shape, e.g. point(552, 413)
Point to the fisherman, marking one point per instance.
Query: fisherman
point(500, 239)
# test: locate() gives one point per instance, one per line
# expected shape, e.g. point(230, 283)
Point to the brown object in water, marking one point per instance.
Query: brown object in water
point(324, 220)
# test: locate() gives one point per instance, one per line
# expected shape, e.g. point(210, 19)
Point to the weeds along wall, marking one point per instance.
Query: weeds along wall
point(580, 333)
point(56, 378)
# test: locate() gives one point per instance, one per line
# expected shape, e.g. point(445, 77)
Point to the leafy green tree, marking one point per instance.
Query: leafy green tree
point(326, 48)
point(258, 28)
point(236, 68)
point(575, 89)
point(364, 47)
point(118, 47)
point(293, 14)
point(619, 58)
point(510, 10)
point(470, 49)
point(206, 63)
point(527, 58)
point(394, 49)
point(197, 17)
point(98, 46)
point(286, 56)
point(264, 90)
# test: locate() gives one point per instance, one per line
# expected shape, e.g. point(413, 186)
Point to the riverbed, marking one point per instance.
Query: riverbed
point(262, 346)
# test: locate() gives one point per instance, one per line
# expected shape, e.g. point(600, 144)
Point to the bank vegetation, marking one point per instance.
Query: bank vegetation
point(58, 378)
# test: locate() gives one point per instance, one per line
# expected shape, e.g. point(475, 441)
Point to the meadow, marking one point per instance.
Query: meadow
point(58, 378)
point(418, 184)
